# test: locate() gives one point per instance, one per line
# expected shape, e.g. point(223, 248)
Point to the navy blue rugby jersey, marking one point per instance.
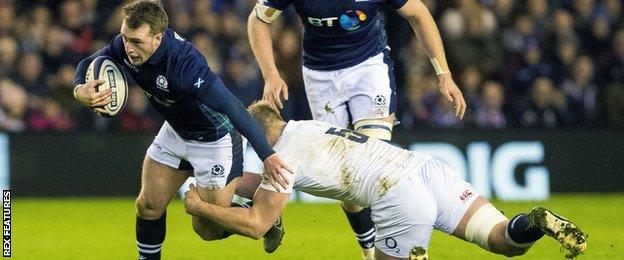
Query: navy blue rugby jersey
point(339, 33)
point(180, 85)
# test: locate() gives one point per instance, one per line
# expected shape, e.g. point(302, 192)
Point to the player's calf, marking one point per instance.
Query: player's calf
point(363, 226)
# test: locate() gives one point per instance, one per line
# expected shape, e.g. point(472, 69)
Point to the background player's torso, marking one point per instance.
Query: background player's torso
point(341, 33)
point(340, 164)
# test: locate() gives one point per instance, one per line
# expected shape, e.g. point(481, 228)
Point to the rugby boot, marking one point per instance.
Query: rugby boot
point(273, 237)
point(561, 229)
point(419, 253)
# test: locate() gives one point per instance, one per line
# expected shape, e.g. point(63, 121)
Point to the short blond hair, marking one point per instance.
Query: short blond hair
point(265, 114)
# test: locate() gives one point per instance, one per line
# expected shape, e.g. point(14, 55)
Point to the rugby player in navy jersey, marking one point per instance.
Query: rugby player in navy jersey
point(347, 71)
point(200, 135)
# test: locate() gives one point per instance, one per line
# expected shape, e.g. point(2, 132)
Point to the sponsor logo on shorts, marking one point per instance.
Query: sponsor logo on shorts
point(157, 145)
point(391, 243)
point(380, 100)
point(217, 170)
point(465, 195)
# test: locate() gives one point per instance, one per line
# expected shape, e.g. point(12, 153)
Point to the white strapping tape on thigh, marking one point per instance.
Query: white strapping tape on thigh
point(266, 13)
point(375, 128)
point(481, 224)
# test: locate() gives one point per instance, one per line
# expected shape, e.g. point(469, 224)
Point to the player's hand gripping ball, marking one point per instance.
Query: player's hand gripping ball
point(107, 69)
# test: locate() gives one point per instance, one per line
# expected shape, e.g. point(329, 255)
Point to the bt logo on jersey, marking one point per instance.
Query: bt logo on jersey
point(349, 21)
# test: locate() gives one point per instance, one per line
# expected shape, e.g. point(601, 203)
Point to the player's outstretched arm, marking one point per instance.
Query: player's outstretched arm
point(262, 46)
point(253, 222)
point(427, 32)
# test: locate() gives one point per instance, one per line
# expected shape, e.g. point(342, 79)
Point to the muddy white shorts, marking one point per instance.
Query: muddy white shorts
point(434, 196)
point(364, 91)
point(214, 164)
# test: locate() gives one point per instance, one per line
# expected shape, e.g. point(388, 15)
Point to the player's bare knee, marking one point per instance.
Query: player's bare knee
point(148, 209)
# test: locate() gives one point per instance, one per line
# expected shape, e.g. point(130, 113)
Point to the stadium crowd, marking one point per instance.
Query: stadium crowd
point(521, 64)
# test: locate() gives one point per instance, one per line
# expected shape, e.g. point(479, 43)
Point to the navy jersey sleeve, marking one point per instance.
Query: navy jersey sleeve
point(396, 3)
point(113, 50)
point(196, 79)
point(277, 4)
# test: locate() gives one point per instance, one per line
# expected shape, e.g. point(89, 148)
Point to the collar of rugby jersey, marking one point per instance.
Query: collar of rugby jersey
point(160, 52)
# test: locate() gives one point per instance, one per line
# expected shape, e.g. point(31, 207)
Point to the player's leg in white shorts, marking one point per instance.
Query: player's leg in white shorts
point(404, 218)
point(371, 90)
point(364, 91)
point(462, 212)
point(465, 214)
point(216, 166)
point(433, 197)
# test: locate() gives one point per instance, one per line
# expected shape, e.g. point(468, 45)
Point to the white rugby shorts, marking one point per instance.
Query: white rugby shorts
point(364, 91)
point(214, 164)
point(433, 197)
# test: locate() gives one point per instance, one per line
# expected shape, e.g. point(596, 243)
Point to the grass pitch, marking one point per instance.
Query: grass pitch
point(97, 228)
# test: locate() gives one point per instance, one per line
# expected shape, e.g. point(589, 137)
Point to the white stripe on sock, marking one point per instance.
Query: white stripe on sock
point(371, 236)
point(148, 246)
point(367, 233)
point(152, 251)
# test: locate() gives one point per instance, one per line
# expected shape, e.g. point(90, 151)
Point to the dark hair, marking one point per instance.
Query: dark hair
point(147, 12)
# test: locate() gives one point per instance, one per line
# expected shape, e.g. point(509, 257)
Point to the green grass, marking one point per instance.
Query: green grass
point(104, 229)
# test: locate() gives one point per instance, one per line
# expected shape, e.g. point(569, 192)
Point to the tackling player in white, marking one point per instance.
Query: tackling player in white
point(410, 194)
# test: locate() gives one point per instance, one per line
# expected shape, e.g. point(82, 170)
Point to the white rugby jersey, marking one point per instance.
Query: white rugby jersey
point(340, 164)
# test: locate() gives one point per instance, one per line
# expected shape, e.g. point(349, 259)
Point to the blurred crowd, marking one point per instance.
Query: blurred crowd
point(521, 64)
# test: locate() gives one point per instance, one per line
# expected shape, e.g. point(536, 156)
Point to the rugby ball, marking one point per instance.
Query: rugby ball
point(105, 68)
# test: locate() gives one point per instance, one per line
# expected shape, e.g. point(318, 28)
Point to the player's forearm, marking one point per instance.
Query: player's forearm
point(261, 45)
point(81, 69)
point(236, 220)
point(428, 34)
point(219, 98)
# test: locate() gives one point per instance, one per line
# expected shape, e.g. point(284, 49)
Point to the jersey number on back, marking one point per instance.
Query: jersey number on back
point(353, 136)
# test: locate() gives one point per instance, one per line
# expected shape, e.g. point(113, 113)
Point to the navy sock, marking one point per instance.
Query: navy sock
point(520, 232)
point(363, 226)
point(150, 235)
point(247, 205)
